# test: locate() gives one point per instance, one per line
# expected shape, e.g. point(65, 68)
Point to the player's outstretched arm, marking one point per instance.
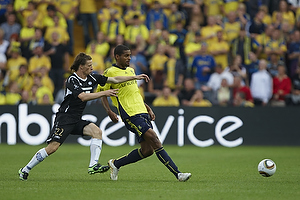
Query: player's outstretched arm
point(113, 116)
point(90, 96)
point(120, 79)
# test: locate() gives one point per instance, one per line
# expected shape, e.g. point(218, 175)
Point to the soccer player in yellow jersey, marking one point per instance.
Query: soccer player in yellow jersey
point(137, 117)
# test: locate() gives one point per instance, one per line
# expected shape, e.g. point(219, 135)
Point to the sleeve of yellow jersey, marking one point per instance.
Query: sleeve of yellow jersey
point(107, 85)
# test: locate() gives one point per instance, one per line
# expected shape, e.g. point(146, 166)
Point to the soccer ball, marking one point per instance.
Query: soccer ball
point(266, 167)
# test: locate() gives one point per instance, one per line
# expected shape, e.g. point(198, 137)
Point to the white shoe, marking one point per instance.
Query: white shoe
point(184, 176)
point(113, 170)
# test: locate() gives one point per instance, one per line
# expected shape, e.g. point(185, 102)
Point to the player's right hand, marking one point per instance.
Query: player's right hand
point(112, 92)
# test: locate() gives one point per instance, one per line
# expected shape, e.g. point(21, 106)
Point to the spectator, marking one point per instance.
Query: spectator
point(253, 6)
point(167, 39)
point(132, 31)
point(11, 26)
point(240, 100)
point(104, 12)
point(174, 70)
point(243, 17)
point(238, 87)
point(276, 45)
point(187, 7)
point(263, 39)
point(228, 6)
point(38, 60)
point(187, 92)
point(98, 62)
point(197, 15)
point(14, 63)
point(68, 10)
point(175, 15)
point(214, 82)
point(32, 11)
point(6, 7)
point(156, 14)
point(193, 49)
point(209, 32)
point(48, 19)
point(212, 8)
point(25, 97)
point(243, 45)
point(219, 50)
point(41, 89)
point(63, 36)
point(27, 32)
point(224, 94)
point(197, 100)
point(24, 80)
point(202, 67)
point(158, 60)
point(102, 46)
point(166, 99)
point(261, 85)
point(113, 26)
point(151, 46)
point(253, 66)
point(237, 69)
point(180, 32)
point(281, 87)
point(272, 66)
point(286, 14)
point(59, 57)
point(46, 100)
point(12, 96)
point(134, 10)
point(190, 36)
point(232, 27)
point(294, 53)
point(257, 26)
point(38, 40)
point(88, 14)
point(267, 19)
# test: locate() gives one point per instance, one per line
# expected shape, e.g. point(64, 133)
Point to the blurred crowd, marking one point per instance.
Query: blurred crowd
point(204, 53)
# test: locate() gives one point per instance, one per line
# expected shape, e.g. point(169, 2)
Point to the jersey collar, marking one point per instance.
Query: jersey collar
point(80, 77)
point(115, 65)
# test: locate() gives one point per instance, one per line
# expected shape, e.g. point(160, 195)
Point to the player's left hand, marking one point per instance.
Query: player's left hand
point(152, 115)
point(143, 76)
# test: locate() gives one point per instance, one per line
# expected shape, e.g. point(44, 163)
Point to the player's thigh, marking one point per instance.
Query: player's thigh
point(92, 130)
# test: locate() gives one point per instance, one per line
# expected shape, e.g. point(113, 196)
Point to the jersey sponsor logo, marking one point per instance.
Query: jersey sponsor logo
point(127, 83)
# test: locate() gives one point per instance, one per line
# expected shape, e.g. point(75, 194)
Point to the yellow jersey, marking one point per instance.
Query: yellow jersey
point(13, 65)
point(129, 101)
point(38, 62)
point(170, 101)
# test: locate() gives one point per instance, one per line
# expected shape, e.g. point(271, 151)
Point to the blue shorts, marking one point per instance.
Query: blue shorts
point(138, 124)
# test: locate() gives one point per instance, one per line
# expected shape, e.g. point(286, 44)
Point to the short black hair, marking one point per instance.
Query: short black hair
point(119, 50)
point(80, 59)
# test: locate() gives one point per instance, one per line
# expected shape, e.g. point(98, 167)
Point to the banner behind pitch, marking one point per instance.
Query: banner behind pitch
point(201, 127)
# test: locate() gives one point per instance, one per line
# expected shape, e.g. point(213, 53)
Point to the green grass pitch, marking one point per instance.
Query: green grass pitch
point(217, 173)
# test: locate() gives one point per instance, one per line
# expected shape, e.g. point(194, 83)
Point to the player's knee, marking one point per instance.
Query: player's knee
point(147, 152)
point(97, 133)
